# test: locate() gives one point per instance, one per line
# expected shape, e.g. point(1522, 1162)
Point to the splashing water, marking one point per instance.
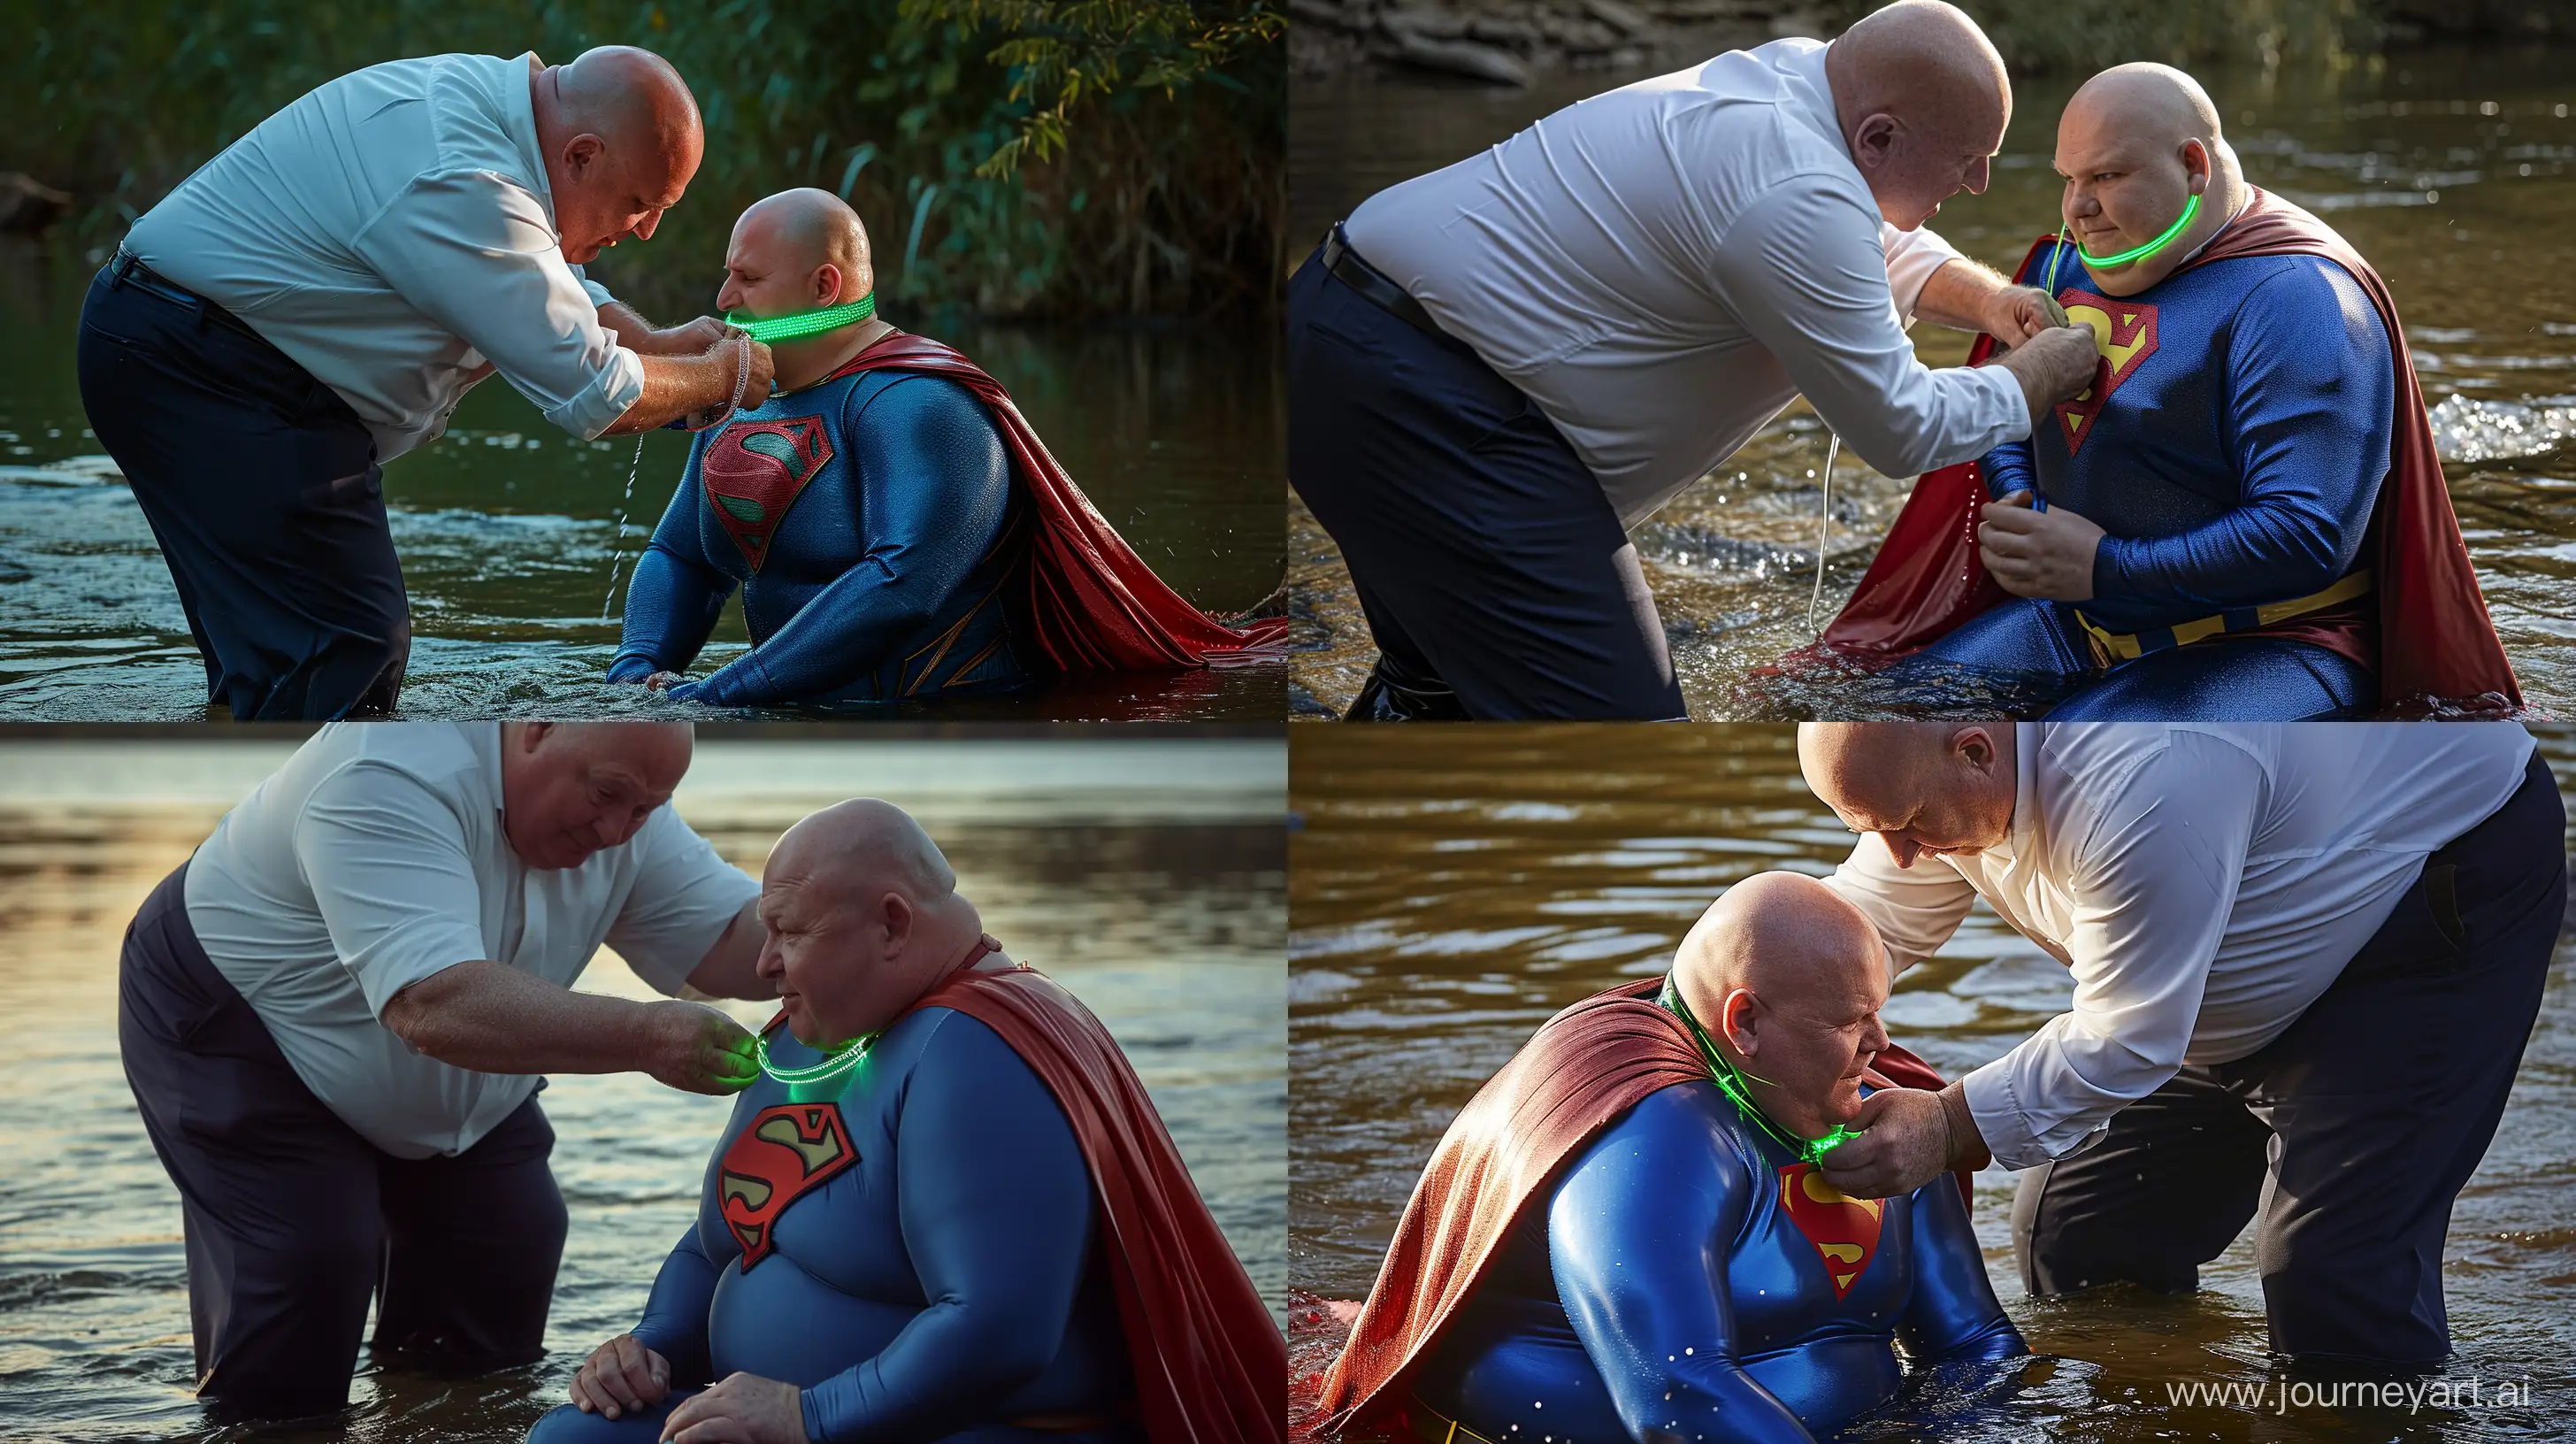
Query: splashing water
point(617, 544)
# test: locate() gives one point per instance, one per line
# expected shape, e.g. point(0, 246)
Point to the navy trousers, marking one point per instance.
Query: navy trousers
point(1484, 552)
point(2350, 1134)
point(262, 488)
point(294, 1221)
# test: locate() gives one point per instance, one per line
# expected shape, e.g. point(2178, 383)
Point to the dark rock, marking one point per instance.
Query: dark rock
point(1460, 57)
point(1625, 19)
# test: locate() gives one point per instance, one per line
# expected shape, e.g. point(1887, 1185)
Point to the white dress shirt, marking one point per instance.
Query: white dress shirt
point(1663, 267)
point(392, 231)
point(2204, 883)
point(374, 858)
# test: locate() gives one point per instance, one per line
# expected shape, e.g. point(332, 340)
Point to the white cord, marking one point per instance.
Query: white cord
point(1824, 529)
point(741, 373)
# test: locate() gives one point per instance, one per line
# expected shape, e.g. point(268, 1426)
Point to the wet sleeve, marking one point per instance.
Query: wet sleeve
point(994, 1202)
point(676, 593)
point(930, 483)
point(1952, 1317)
point(1639, 1236)
point(2309, 390)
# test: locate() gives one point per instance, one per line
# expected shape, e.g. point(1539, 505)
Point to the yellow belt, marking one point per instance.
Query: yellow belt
point(2110, 647)
point(1433, 1427)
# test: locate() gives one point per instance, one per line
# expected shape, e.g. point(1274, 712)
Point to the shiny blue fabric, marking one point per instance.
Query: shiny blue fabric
point(1661, 1286)
point(884, 579)
point(2237, 464)
point(948, 1281)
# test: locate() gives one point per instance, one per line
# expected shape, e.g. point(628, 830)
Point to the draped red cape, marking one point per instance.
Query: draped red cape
point(1211, 1367)
point(1578, 1073)
point(2435, 645)
point(1096, 605)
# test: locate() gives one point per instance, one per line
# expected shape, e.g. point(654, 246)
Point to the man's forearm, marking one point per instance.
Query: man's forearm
point(1962, 295)
point(494, 1019)
point(677, 386)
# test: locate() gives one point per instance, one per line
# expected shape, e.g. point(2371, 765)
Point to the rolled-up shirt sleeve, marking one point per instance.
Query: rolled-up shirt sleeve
point(598, 294)
point(474, 252)
point(684, 895)
point(1915, 909)
point(386, 859)
point(2150, 899)
point(1805, 270)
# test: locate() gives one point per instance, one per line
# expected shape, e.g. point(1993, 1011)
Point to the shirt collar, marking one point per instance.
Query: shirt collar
point(2023, 839)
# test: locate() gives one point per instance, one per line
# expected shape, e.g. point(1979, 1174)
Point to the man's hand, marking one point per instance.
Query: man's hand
point(2046, 554)
point(663, 681)
point(699, 1050)
point(1901, 1141)
point(620, 1377)
point(2057, 363)
point(690, 340)
point(2018, 313)
point(740, 1409)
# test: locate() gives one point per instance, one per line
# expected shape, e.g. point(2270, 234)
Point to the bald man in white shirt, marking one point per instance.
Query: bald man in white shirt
point(2306, 961)
point(314, 302)
point(1498, 368)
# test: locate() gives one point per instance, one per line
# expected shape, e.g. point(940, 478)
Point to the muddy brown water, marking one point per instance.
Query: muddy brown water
point(1451, 888)
point(1146, 877)
point(516, 537)
point(2451, 170)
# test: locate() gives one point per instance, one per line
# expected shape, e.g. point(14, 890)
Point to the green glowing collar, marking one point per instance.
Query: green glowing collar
point(2181, 223)
point(836, 1061)
point(1730, 1081)
point(813, 323)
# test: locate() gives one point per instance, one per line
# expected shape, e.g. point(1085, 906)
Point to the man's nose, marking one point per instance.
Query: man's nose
point(644, 228)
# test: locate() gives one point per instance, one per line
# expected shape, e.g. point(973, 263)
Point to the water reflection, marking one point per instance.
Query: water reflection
point(2450, 170)
point(510, 530)
point(1452, 888)
point(1147, 876)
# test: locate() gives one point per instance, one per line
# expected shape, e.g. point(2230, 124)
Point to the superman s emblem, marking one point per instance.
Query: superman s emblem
point(754, 472)
point(785, 1153)
point(1844, 1229)
point(2124, 332)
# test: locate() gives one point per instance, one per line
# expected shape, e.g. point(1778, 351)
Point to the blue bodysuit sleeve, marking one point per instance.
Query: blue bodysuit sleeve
point(994, 1201)
point(2007, 469)
point(1638, 1236)
point(676, 594)
point(933, 488)
point(675, 1315)
point(1952, 1315)
point(2310, 387)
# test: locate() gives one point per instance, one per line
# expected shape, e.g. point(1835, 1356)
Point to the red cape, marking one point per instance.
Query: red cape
point(1211, 1367)
point(1096, 605)
point(2435, 643)
point(1579, 1072)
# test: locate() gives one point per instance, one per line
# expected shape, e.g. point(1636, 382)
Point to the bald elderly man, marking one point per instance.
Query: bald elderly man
point(2243, 517)
point(896, 528)
point(315, 301)
point(1625, 1235)
point(336, 1017)
point(1497, 369)
point(947, 1209)
point(2306, 961)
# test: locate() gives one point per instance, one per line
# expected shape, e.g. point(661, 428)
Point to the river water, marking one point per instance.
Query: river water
point(509, 528)
point(1450, 891)
point(2450, 170)
point(1146, 876)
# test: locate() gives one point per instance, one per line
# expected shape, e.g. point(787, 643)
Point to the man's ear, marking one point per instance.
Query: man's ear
point(1739, 1021)
point(2195, 167)
point(899, 917)
point(581, 154)
point(1977, 746)
point(827, 285)
point(1873, 139)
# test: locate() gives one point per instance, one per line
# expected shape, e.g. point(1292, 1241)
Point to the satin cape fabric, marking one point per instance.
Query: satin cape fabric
point(2436, 646)
point(1211, 1367)
point(1095, 604)
point(1576, 1075)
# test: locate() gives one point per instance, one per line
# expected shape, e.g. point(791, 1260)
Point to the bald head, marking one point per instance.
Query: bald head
point(570, 789)
point(862, 917)
point(788, 240)
point(2135, 145)
point(1922, 787)
point(853, 846)
point(1923, 99)
point(622, 139)
point(1787, 978)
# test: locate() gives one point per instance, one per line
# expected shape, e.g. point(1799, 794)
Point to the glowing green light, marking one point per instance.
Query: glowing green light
point(2190, 209)
point(812, 323)
point(1730, 1081)
point(836, 1061)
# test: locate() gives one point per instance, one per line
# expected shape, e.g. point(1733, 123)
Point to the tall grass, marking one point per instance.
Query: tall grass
point(984, 186)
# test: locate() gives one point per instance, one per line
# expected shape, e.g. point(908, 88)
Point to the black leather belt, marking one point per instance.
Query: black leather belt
point(128, 270)
point(1369, 281)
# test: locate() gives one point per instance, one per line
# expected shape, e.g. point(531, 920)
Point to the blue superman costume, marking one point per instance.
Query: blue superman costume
point(980, 1233)
point(2281, 542)
point(899, 531)
point(1602, 1249)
